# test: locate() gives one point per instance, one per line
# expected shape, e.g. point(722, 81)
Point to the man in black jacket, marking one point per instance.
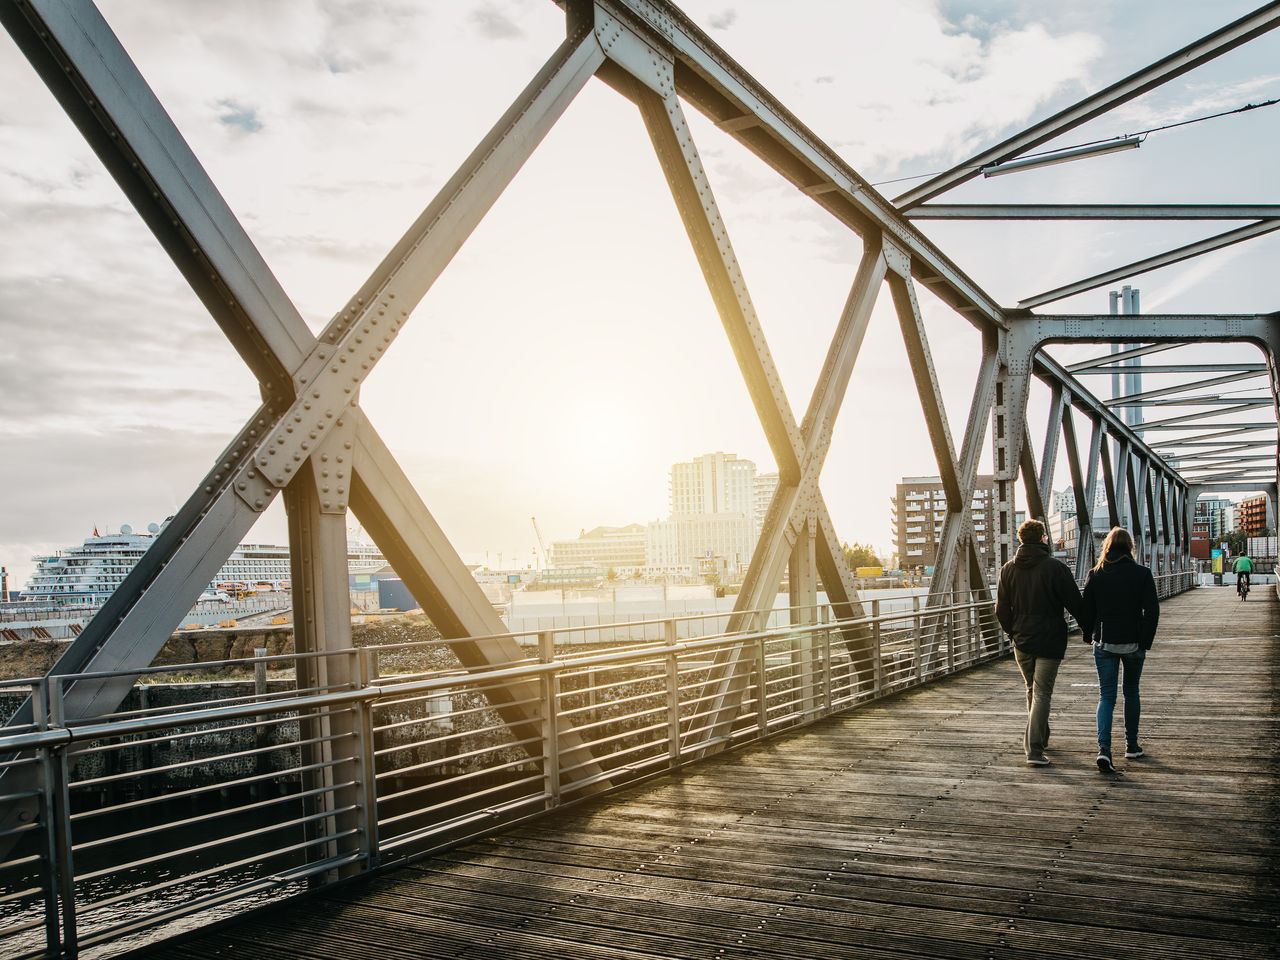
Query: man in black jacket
point(1034, 590)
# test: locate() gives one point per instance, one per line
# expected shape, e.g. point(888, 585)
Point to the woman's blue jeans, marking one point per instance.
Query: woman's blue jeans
point(1108, 665)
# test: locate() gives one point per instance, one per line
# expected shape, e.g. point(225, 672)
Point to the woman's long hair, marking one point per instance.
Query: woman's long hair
point(1120, 541)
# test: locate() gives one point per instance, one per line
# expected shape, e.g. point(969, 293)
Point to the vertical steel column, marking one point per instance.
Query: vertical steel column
point(1138, 504)
point(1006, 419)
point(64, 838)
point(671, 635)
point(1124, 504)
point(550, 687)
point(1084, 512)
point(1087, 548)
point(1049, 455)
point(803, 583)
point(317, 515)
point(49, 820)
point(1155, 526)
point(1109, 481)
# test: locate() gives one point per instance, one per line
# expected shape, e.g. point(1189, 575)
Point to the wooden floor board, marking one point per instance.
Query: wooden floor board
point(909, 827)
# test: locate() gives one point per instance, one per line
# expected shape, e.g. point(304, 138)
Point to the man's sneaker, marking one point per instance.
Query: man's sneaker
point(1037, 760)
point(1134, 752)
point(1104, 760)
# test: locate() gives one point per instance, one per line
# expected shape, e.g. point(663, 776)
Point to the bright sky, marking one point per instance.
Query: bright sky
point(571, 352)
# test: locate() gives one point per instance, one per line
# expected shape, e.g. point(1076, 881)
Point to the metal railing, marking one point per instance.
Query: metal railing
point(164, 809)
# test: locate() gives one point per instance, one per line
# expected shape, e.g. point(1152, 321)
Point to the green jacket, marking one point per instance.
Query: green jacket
point(1242, 565)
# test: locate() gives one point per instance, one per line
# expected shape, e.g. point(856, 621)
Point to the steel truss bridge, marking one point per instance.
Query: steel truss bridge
point(531, 725)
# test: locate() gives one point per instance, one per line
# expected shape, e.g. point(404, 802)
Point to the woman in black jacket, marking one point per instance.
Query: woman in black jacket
point(1121, 605)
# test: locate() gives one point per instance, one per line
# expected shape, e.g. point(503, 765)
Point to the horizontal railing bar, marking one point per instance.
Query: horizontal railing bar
point(480, 816)
point(454, 758)
point(273, 775)
point(423, 811)
point(153, 829)
point(204, 761)
point(172, 736)
point(219, 841)
point(213, 871)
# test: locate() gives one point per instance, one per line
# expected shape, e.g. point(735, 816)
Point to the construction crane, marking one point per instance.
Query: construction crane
point(542, 544)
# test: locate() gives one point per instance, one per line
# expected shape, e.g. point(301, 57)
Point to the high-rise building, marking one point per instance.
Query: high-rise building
point(919, 509)
point(765, 485)
point(1217, 514)
point(1251, 515)
point(712, 516)
point(713, 483)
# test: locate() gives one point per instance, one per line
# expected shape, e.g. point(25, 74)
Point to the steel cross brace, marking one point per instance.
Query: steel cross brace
point(311, 384)
point(797, 513)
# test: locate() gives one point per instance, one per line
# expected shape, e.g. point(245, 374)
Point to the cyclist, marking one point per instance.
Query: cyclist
point(1243, 567)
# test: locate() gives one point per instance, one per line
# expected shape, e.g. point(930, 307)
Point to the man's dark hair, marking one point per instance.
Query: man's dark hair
point(1030, 531)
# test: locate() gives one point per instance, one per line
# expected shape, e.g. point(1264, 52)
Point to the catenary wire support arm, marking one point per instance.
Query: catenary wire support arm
point(1265, 18)
point(1095, 211)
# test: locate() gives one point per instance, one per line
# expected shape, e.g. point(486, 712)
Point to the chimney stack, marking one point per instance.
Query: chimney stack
point(4, 585)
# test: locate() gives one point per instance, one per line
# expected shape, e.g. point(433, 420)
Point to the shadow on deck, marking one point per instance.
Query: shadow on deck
point(909, 827)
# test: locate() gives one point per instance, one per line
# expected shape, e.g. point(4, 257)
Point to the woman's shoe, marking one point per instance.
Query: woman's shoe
point(1104, 760)
point(1134, 752)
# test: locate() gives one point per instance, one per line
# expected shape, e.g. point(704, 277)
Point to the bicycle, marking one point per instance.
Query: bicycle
point(1242, 588)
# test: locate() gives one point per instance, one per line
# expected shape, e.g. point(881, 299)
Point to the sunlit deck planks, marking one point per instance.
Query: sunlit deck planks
point(907, 828)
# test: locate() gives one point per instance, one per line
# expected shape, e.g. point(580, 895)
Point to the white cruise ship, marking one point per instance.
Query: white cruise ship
point(86, 575)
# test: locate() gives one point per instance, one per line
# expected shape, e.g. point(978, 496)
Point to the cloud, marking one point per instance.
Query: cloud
point(494, 24)
point(236, 114)
point(723, 20)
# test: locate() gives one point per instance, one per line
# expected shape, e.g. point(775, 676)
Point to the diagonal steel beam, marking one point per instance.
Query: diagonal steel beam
point(1094, 211)
point(1162, 71)
point(1198, 415)
point(1212, 400)
point(1168, 258)
point(926, 380)
point(1120, 356)
point(1146, 368)
point(1135, 399)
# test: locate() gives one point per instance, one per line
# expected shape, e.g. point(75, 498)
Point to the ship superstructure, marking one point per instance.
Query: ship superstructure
point(86, 575)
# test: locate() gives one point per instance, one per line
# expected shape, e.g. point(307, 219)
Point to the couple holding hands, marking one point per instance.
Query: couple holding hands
point(1118, 613)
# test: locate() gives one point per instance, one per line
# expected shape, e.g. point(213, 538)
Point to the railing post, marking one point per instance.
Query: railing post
point(877, 660)
point(917, 628)
point(261, 736)
point(673, 693)
point(60, 792)
point(365, 668)
point(951, 637)
point(40, 714)
point(826, 671)
point(762, 689)
point(550, 684)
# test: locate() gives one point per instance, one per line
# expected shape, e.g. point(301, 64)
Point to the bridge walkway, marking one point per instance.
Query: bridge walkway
point(910, 827)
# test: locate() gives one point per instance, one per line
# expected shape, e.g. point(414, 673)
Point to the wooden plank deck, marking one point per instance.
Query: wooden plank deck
point(909, 828)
